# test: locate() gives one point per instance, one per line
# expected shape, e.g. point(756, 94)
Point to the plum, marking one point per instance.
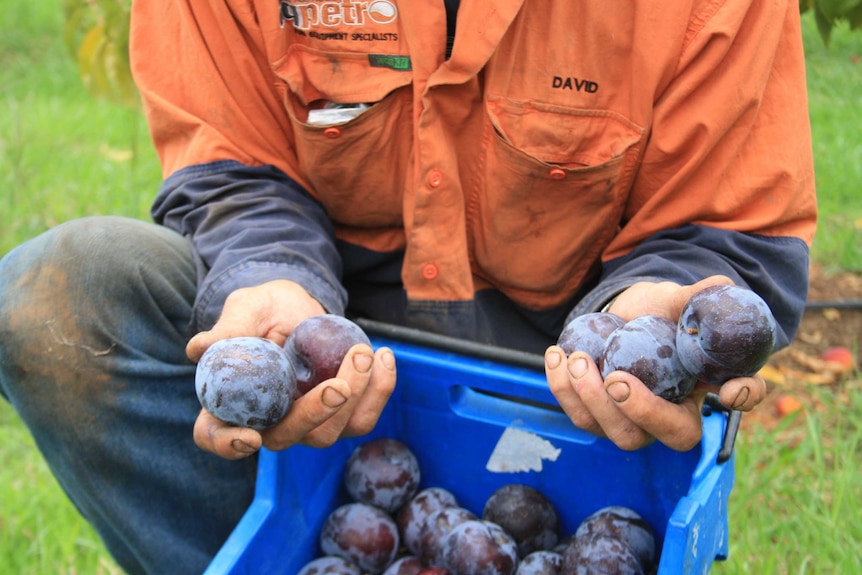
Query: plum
point(407, 565)
point(600, 554)
point(479, 547)
point(317, 346)
point(361, 533)
point(412, 516)
point(435, 529)
point(564, 542)
point(541, 563)
point(627, 525)
point(526, 514)
point(245, 381)
point(382, 472)
point(412, 565)
point(588, 333)
point(646, 348)
point(725, 331)
point(330, 565)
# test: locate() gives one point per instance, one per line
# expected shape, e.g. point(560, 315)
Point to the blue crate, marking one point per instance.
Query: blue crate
point(475, 425)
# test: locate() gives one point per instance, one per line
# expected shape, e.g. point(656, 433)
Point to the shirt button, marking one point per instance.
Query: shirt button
point(332, 133)
point(429, 271)
point(435, 178)
point(557, 174)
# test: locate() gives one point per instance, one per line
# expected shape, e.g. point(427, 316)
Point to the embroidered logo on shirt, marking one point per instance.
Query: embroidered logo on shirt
point(305, 15)
point(400, 63)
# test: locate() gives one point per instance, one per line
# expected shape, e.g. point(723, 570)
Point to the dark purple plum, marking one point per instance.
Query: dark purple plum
point(588, 333)
point(407, 565)
point(600, 554)
point(363, 534)
point(435, 529)
point(526, 514)
point(317, 346)
point(382, 472)
point(245, 381)
point(627, 525)
point(330, 565)
point(646, 348)
point(541, 563)
point(479, 547)
point(563, 543)
point(411, 565)
point(724, 332)
point(411, 516)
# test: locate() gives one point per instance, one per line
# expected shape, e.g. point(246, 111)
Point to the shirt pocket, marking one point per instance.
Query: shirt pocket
point(553, 189)
point(357, 167)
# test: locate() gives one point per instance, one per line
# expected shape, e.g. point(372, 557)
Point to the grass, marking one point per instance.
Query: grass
point(64, 155)
point(794, 507)
point(834, 85)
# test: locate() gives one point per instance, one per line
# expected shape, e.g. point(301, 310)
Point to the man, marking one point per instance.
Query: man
point(486, 176)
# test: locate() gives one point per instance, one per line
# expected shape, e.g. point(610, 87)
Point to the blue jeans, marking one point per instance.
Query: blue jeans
point(93, 328)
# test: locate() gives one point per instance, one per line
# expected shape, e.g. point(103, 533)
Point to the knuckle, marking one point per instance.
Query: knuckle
point(583, 420)
point(689, 443)
point(363, 425)
point(320, 439)
point(630, 438)
point(558, 385)
point(629, 442)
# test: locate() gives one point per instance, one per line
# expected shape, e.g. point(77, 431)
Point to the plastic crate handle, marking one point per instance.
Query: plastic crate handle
point(528, 360)
point(452, 344)
point(734, 417)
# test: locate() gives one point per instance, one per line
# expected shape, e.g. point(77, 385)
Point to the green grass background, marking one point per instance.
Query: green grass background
point(796, 501)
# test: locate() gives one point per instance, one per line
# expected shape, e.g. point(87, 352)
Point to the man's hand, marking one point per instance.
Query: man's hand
point(621, 407)
point(348, 404)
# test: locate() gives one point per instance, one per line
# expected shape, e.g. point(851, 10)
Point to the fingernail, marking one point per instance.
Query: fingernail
point(578, 367)
point(362, 362)
point(741, 398)
point(332, 397)
point(388, 360)
point(242, 446)
point(619, 391)
point(553, 359)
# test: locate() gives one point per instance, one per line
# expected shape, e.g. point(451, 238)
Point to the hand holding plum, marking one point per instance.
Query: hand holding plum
point(618, 395)
point(348, 401)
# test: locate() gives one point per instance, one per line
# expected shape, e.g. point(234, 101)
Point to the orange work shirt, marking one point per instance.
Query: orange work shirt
point(557, 135)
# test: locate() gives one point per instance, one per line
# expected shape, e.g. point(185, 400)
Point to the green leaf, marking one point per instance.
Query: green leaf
point(837, 9)
point(854, 17)
point(824, 24)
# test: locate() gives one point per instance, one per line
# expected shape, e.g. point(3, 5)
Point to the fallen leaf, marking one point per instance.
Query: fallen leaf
point(809, 377)
point(808, 361)
point(116, 155)
point(812, 337)
point(832, 314)
point(773, 375)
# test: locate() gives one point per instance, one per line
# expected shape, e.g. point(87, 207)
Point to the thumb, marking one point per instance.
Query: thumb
point(223, 329)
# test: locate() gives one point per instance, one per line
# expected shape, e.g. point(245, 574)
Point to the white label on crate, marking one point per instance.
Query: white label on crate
point(519, 450)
